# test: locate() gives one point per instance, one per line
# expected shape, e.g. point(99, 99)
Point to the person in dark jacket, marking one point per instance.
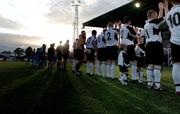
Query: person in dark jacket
point(51, 55)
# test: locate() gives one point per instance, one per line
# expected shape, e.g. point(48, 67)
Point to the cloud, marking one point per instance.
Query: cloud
point(12, 41)
point(9, 24)
point(61, 11)
point(18, 15)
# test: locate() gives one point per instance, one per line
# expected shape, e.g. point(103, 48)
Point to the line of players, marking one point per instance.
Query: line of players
point(105, 46)
point(59, 55)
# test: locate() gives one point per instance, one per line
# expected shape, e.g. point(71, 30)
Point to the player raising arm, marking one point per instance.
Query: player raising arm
point(154, 47)
point(173, 21)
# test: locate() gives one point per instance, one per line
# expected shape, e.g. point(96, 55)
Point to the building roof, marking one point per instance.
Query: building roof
point(138, 15)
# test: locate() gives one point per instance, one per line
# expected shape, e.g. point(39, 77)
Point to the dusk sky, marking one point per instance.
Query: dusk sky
point(34, 22)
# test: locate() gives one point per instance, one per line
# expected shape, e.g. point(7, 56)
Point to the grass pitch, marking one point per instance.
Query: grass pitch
point(25, 90)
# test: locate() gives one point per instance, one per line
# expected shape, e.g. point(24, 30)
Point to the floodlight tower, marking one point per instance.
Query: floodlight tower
point(76, 4)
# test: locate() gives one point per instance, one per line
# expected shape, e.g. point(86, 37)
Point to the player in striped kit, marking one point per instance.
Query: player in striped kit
point(79, 51)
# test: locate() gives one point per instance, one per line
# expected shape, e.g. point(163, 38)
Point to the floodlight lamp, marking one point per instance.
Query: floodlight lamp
point(137, 5)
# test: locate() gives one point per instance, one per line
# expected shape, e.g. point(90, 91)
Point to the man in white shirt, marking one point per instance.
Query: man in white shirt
point(90, 52)
point(101, 55)
point(154, 48)
point(111, 37)
point(173, 21)
point(128, 36)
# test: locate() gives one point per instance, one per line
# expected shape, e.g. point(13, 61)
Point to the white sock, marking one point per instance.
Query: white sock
point(87, 67)
point(157, 77)
point(108, 70)
point(113, 69)
point(176, 76)
point(91, 66)
point(103, 69)
point(134, 72)
point(123, 77)
point(150, 76)
point(98, 68)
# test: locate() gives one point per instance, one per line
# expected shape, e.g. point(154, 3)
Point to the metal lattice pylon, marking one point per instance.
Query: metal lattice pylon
point(76, 4)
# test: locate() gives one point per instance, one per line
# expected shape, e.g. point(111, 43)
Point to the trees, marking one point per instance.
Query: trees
point(5, 55)
point(28, 52)
point(6, 52)
point(19, 52)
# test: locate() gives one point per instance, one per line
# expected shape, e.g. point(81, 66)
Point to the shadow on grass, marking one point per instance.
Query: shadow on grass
point(55, 92)
point(59, 98)
point(21, 98)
